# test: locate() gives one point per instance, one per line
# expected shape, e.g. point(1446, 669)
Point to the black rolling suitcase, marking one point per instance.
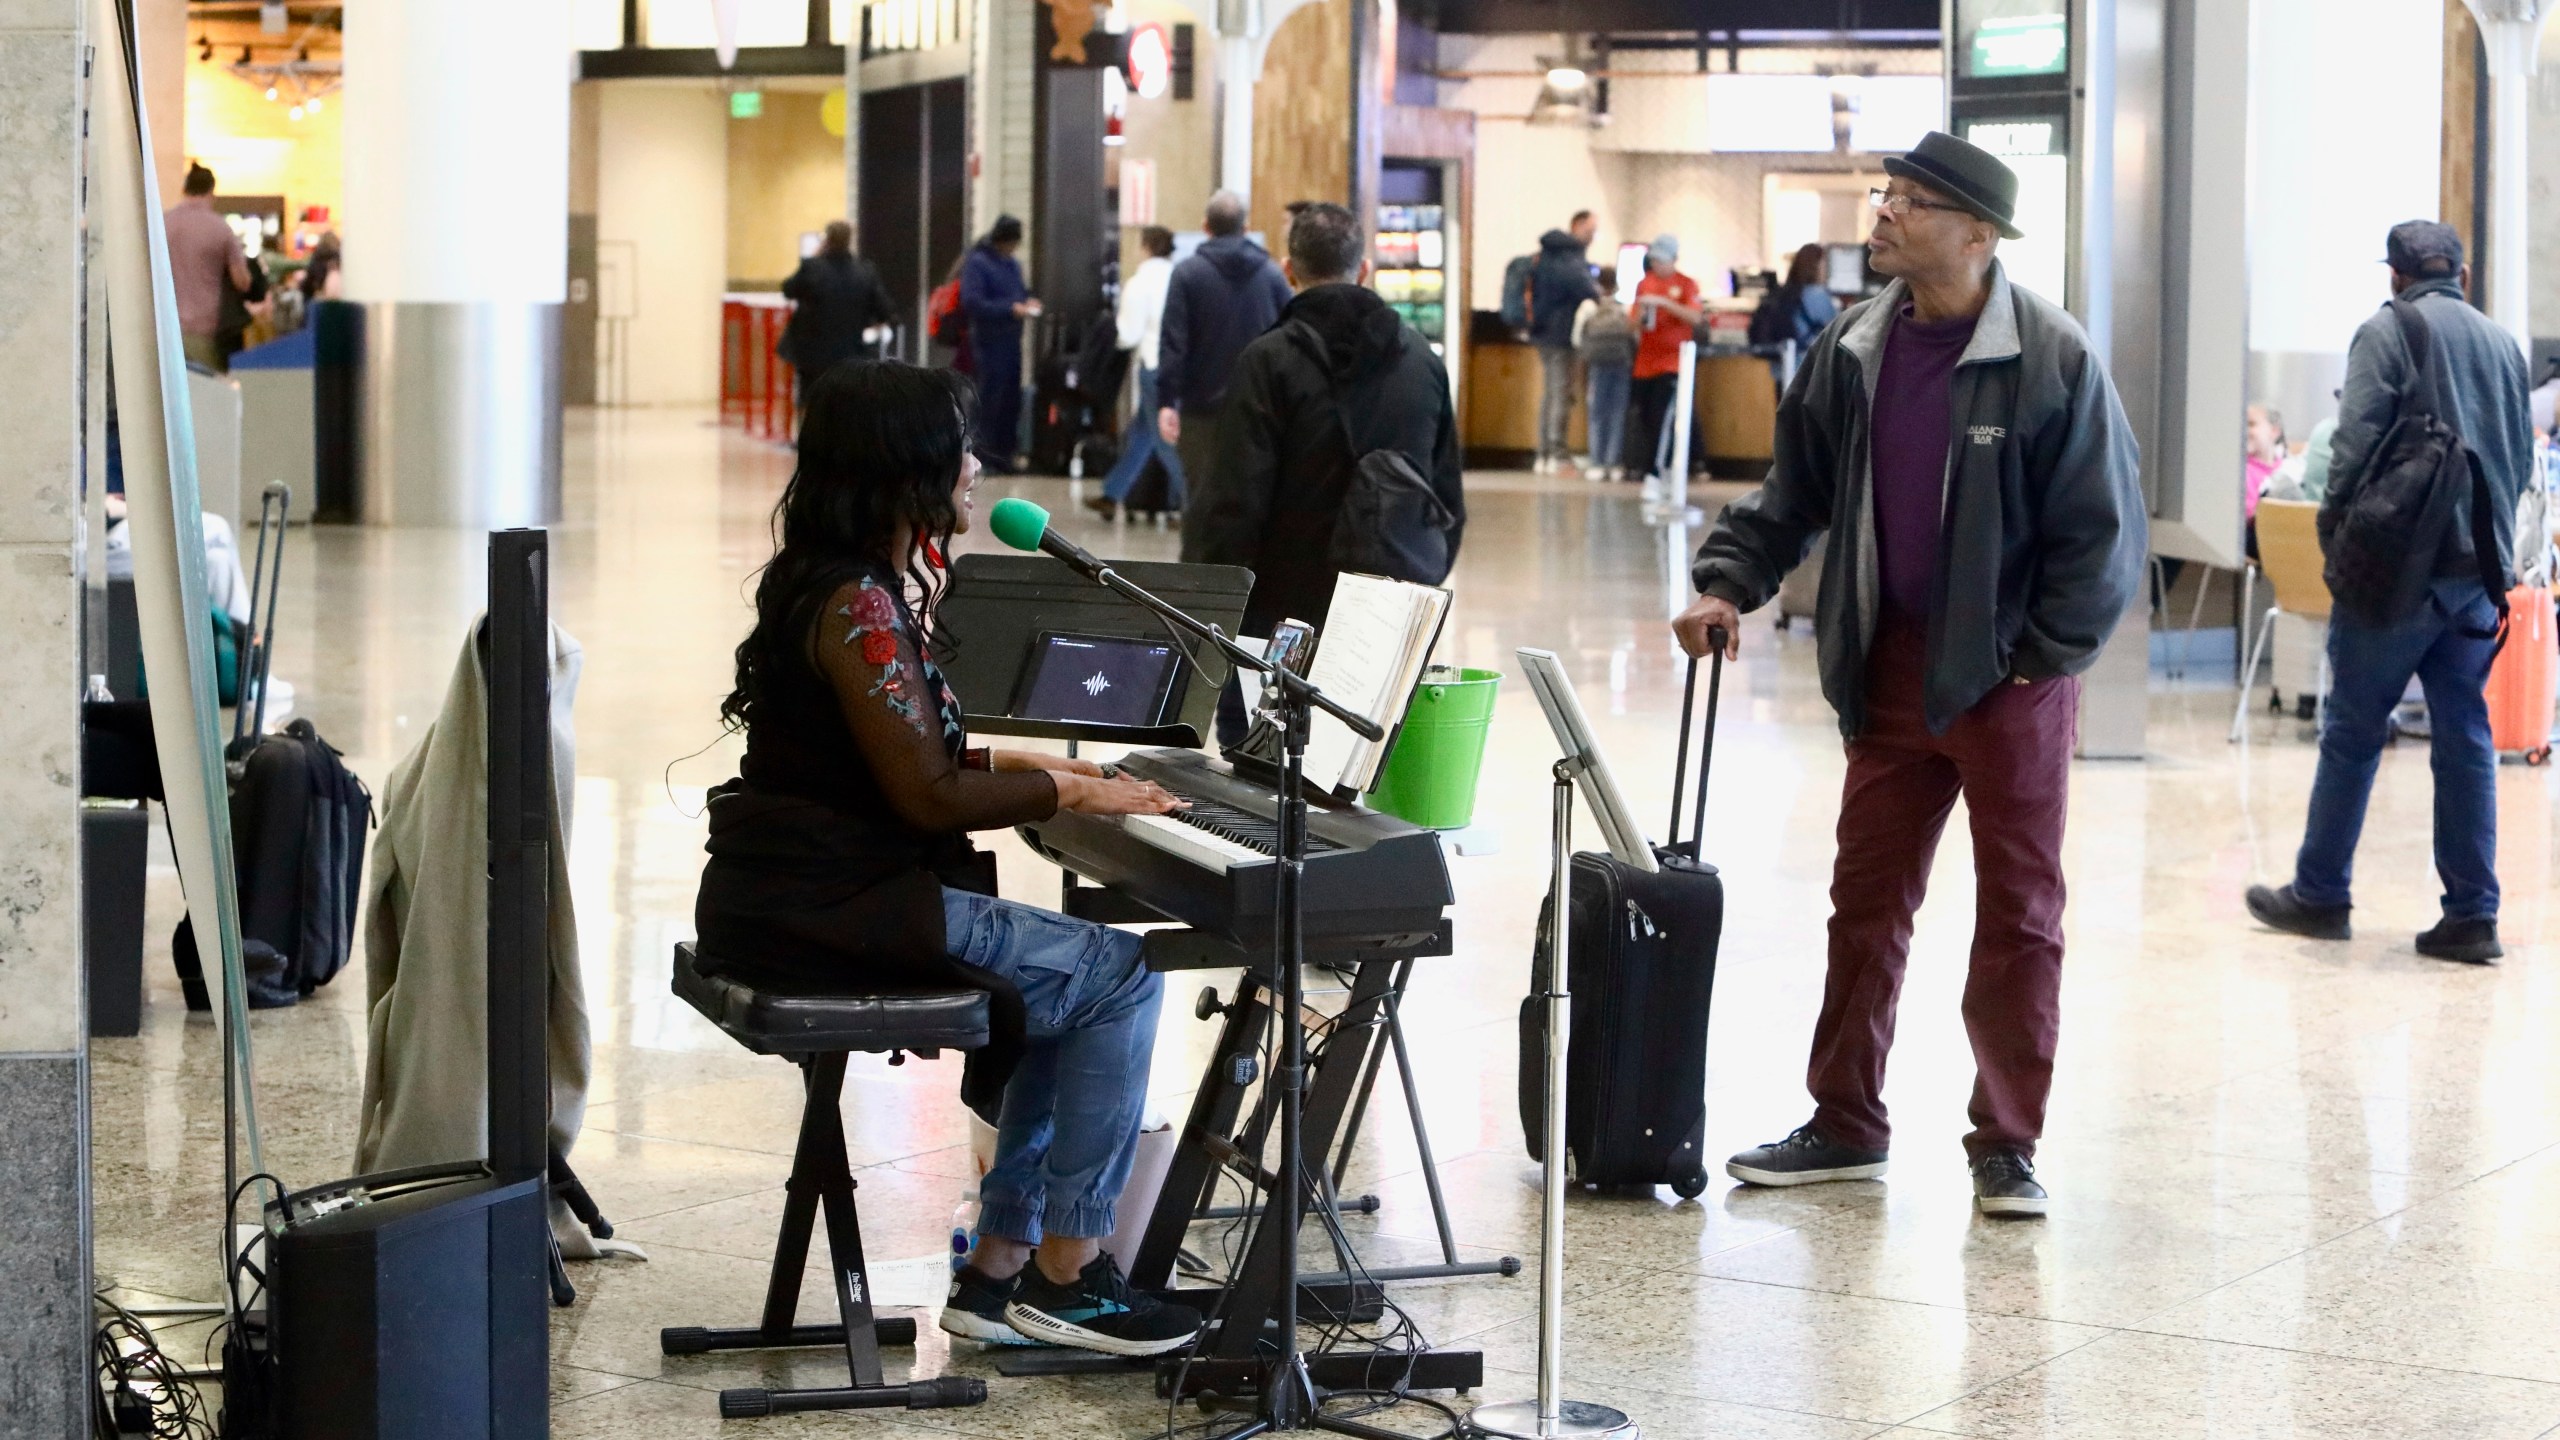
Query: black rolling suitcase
point(1643, 966)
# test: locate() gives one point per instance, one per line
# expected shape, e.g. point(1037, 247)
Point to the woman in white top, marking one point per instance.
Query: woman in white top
point(1141, 321)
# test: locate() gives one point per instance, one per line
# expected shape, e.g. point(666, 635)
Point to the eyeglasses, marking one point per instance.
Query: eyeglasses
point(1899, 203)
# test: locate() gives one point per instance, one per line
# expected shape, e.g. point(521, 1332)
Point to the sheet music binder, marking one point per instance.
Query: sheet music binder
point(999, 605)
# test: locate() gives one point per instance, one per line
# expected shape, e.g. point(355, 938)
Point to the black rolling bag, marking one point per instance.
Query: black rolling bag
point(1643, 966)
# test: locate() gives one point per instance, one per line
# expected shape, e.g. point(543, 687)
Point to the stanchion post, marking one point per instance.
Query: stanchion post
point(1551, 1416)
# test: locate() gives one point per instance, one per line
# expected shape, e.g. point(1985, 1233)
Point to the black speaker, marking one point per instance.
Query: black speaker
point(412, 1306)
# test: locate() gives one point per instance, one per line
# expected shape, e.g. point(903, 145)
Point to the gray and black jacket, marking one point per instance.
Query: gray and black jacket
point(2046, 526)
point(2479, 389)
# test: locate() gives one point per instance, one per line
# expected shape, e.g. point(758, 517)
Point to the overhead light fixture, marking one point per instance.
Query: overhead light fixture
point(245, 56)
point(271, 17)
point(312, 104)
point(1564, 97)
point(271, 94)
point(204, 48)
point(294, 114)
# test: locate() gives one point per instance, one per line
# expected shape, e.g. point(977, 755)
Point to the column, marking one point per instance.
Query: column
point(457, 199)
point(2511, 31)
point(44, 1108)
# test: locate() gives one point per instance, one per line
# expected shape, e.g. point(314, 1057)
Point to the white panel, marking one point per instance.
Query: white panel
point(1894, 111)
point(597, 24)
point(457, 150)
point(2345, 129)
point(687, 24)
point(662, 177)
point(1769, 113)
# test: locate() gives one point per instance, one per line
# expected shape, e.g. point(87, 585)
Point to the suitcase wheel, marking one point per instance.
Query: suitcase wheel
point(1691, 1185)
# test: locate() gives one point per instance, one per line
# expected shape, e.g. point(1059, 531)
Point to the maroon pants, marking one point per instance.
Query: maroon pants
point(2010, 757)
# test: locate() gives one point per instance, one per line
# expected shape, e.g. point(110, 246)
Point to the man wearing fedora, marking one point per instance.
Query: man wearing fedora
point(1962, 444)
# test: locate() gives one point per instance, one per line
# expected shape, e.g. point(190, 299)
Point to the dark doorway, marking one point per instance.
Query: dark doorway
point(914, 194)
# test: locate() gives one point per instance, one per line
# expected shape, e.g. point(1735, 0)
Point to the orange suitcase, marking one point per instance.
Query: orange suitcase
point(2524, 681)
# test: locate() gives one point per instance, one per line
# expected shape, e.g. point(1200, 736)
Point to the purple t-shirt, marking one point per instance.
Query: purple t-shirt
point(1909, 444)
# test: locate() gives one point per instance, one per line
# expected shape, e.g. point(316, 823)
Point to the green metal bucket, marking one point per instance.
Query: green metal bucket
point(1430, 780)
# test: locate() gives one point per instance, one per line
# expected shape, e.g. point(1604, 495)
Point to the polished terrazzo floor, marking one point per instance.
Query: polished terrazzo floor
point(2301, 1189)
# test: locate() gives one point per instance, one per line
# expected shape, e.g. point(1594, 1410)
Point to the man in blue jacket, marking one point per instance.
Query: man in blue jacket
point(996, 300)
point(1557, 289)
point(1220, 300)
point(2473, 380)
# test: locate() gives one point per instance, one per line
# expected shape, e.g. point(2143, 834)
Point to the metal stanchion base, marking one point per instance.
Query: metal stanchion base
point(1575, 1419)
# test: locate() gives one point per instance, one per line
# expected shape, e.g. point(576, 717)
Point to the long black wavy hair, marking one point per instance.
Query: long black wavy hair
point(881, 446)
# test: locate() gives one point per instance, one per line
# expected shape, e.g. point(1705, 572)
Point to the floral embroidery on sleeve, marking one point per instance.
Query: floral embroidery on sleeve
point(873, 618)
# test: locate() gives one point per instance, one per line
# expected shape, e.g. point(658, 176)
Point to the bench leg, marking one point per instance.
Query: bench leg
point(822, 1176)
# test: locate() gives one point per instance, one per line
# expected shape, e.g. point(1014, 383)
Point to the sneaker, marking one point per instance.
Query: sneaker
point(1103, 506)
point(1804, 1158)
point(1099, 1312)
point(2281, 910)
point(2473, 942)
point(2004, 1183)
point(975, 1308)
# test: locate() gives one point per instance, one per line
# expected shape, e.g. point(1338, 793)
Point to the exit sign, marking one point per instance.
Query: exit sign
point(745, 104)
point(2022, 45)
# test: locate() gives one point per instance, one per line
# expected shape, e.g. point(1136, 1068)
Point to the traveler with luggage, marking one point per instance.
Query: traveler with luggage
point(1961, 444)
point(2434, 443)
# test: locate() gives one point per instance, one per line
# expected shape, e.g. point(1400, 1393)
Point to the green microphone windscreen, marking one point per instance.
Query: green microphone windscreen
point(1018, 523)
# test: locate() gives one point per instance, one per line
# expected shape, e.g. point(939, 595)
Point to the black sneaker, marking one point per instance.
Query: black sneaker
point(2281, 910)
point(1804, 1158)
point(2473, 942)
point(2004, 1183)
point(975, 1308)
point(1099, 1312)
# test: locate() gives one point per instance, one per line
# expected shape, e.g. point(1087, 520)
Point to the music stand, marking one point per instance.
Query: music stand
point(998, 605)
point(1549, 1416)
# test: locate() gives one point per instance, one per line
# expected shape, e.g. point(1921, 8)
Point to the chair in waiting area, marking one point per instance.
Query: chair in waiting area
point(816, 1031)
point(2289, 554)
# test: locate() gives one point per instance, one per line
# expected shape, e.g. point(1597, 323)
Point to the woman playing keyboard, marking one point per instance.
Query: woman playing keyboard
point(840, 856)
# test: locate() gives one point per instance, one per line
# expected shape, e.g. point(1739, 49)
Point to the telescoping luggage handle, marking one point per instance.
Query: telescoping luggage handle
point(1706, 745)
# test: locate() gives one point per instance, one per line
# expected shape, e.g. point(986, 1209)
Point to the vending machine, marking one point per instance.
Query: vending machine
point(1414, 252)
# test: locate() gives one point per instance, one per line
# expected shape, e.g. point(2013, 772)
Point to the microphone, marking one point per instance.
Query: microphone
point(1025, 526)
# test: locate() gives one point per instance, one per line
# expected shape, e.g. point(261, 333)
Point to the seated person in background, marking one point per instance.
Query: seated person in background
point(840, 856)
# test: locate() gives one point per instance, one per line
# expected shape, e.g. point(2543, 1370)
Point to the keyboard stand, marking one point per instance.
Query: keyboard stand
point(1228, 1359)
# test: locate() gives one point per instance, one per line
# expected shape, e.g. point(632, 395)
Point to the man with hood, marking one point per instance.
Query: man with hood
point(1338, 377)
point(997, 300)
point(1557, 289)
point(1227, 293)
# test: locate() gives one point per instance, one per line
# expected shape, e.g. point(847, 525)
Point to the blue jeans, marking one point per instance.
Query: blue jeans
point(1069, 1130)
point(1140, 441)
point(1606, 397)
point(2370, 668)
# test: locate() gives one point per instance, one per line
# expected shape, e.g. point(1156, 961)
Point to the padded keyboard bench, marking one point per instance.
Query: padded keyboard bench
point(816, 1031)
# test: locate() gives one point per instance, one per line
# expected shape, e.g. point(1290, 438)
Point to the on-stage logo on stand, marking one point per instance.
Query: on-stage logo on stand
point(1097, 684)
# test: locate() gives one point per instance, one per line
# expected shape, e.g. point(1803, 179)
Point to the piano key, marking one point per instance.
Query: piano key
point(1201, 847)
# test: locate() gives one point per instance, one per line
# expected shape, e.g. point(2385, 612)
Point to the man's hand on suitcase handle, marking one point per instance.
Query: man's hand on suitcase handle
point(1710, 623)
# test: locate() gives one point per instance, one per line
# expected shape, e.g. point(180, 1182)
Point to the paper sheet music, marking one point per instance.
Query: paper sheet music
point(1377, 637)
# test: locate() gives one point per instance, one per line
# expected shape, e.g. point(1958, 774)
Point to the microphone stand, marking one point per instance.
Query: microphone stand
point(1288, 1401)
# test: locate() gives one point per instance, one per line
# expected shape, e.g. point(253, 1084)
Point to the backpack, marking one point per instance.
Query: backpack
point(1516, 278)
point(2381, 546)
point(1774, 323)
point(298, 823)
point(1392, 522)
point(943, 317)
point(1608, 337)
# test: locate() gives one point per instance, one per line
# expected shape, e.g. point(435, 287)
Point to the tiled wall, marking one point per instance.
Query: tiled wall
point(44, 1243)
